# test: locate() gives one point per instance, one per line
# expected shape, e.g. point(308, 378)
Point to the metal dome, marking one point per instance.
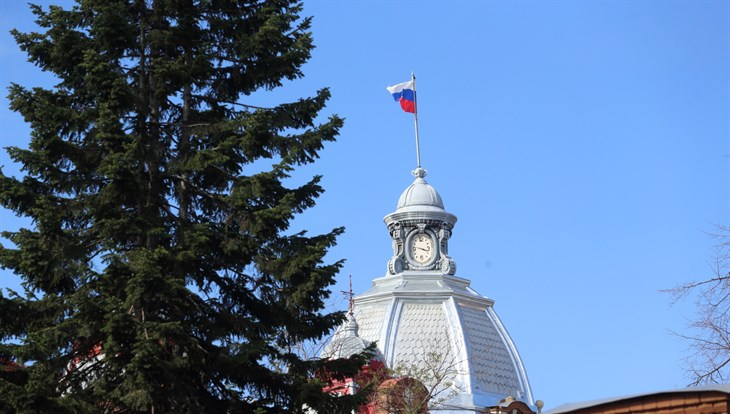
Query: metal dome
point(420, 195)
point(346, 341)
point(414, 315)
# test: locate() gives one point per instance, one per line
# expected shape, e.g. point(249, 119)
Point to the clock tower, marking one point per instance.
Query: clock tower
point(420, 229)
point(422, 315)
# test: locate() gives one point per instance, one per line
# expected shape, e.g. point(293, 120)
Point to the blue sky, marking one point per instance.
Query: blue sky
point(583, 145)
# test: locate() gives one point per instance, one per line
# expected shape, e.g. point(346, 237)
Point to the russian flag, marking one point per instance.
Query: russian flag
point(405, 93)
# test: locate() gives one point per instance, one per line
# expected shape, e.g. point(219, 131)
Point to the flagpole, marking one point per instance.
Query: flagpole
point(415, 118)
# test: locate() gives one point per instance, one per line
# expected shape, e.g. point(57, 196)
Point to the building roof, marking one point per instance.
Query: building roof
point(422, 319)
point(570, 407)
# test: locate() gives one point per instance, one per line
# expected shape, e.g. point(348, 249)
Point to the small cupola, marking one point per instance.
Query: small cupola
point(420, 229)
point(346, 342)
point(420, 195)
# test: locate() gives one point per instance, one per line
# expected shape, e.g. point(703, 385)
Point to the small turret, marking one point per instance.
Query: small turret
point(420, 229)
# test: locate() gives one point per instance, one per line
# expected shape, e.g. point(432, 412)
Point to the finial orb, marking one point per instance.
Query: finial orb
point(419, 172)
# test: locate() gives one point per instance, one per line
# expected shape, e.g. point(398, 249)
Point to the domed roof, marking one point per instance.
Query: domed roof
point(346, 341)
point(422, 320)
point(420, 194)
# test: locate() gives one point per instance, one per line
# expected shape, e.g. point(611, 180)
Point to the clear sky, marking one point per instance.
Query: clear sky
point(583, 145)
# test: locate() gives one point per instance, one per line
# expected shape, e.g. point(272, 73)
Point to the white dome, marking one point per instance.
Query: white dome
point(346, 341)
point(420, 196)
point(414, 315)
point(420, 193)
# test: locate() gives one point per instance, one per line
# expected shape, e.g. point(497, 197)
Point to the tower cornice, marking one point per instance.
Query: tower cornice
point(423, 285)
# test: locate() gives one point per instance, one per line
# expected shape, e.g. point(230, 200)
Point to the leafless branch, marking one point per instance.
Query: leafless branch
point(709, 340)
point(436, 372)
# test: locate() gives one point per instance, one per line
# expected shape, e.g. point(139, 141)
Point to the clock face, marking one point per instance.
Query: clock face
point(421, 248)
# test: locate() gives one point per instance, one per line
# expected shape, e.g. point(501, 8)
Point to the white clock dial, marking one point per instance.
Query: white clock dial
point(421, 248)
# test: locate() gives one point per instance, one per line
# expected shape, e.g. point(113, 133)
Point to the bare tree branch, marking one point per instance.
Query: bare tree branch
point(709, 340)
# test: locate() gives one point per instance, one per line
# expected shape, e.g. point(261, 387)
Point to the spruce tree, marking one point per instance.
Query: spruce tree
point(159, 273)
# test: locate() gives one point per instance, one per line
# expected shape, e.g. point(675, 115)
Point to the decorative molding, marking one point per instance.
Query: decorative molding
point(402, 232)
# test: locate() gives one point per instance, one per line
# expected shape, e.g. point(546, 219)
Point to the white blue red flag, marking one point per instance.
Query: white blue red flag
point(405, 94)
